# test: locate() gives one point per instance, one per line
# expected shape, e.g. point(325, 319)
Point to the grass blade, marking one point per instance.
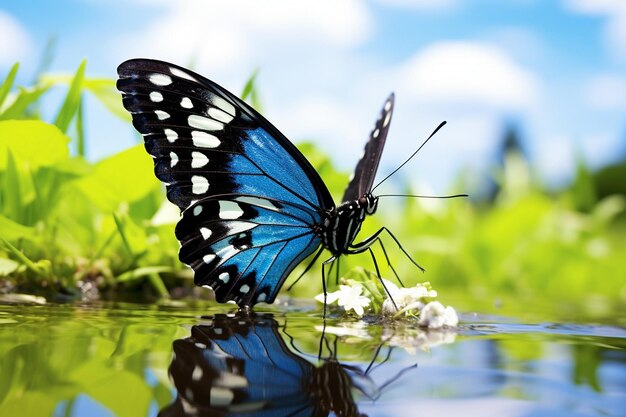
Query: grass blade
point(26, 97)
point(250, 92)
point(8, 83)
point(22, 258)
point(80, 130)
point(72, 99)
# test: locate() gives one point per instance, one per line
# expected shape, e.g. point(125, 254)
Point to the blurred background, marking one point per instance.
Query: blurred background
point(534, 93)
point(553, 71)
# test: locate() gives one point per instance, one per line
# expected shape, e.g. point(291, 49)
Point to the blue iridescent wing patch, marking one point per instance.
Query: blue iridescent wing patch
point(250, 199)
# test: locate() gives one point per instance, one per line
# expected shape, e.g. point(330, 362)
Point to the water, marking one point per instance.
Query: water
point(113, 360)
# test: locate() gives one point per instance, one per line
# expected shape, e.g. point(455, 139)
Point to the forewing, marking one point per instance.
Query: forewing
point(210, 149)
point(365, 171)
point(198, 132)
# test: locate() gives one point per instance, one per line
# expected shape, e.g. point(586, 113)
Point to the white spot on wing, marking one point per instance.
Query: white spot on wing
point(182, 74)
point(156, 97)
point(170, 135)
point(224, 277)
point(198, 159)
point(255, 201)
point(160, 79)
point(186, 103)
point(240, 227)
point(197, 210)
point(204, 123)
point(208, 258)
point(261, 297)
point(231, 380)
point(388, 105)
point(224, 105)
point(387, 119)
point(375, 133)
point(220, 397)
point(197, 373)
point(220, 115)
point(204, 139)
point(205, 232)
point(173, 159)
point(161, 114)
point(229, 210)
point(244, 289)
point(200, 184)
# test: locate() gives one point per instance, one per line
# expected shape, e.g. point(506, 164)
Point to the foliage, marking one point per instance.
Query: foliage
point(72, 227)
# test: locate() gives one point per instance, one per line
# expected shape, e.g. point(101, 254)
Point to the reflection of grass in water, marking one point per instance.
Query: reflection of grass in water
point(68, 224)
point(117, 357)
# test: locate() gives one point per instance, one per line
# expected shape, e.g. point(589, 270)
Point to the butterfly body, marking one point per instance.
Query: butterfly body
point(341, 225)
point(252, 206)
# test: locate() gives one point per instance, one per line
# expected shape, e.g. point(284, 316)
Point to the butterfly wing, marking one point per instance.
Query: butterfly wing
point(240, 366)
point(365, 171)
point(249, 198)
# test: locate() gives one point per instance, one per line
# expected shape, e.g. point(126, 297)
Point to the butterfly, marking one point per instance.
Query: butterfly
point(252, 206)
point(241, 365)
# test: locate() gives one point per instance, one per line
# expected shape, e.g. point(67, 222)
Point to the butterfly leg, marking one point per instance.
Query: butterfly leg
point(362, 246)
point(389, 262)
point(326, 262)
point(380, 278)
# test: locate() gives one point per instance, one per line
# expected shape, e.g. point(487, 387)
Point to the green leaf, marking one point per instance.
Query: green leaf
point(72, 99)
point(26, 97)
point(7, 266)
point(13, 193)
point(33, 143)
point(8, 83)
point(105, 91)
point(143, 272)
point(124, 177)
point(13, 231)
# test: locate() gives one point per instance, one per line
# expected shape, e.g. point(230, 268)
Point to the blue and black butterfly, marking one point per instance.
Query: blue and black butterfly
point(252, 206)
point(241, 366)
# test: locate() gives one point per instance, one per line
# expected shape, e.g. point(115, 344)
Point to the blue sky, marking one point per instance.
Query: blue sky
point(556, 69)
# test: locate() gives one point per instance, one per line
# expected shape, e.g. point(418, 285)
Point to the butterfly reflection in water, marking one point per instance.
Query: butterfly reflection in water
point(252, 206)
point(241, 366)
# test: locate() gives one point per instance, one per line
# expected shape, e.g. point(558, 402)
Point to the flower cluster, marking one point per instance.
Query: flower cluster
point(393, 301)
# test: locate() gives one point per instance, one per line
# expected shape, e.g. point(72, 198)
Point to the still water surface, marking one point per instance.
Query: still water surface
point(137, 360)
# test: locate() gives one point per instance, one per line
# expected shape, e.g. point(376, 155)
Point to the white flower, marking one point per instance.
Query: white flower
point(435, 316)
point(407, 299)
point(349, 297)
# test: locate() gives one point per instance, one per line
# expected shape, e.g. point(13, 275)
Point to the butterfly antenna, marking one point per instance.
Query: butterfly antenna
point(410, 157)
point(423, 196)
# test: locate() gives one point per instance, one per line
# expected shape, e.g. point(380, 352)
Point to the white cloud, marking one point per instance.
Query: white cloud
point(523, 41)
point(324, 117)
point(16, 44)
point(607, 92)
point(423, 5)
point(469, 73)
point(615, 11)
point(555, 158)
point(218, 35)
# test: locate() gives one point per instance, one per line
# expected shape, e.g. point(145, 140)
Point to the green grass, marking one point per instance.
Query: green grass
point(67, 224)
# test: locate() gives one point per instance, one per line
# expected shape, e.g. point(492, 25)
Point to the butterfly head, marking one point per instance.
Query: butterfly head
point(369, 203)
